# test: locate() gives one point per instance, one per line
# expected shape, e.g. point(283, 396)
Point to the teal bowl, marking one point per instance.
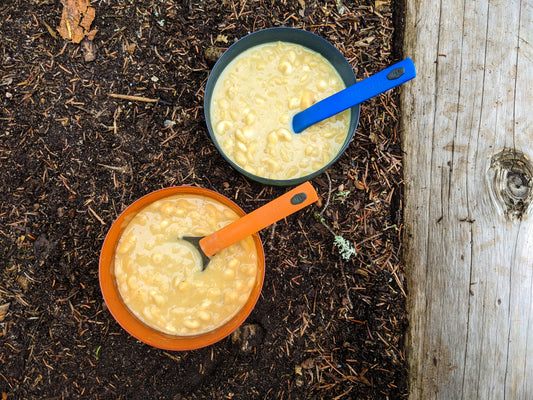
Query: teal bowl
point(292, 35)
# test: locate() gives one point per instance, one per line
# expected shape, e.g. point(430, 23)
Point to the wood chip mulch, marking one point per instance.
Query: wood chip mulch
point(75, 150)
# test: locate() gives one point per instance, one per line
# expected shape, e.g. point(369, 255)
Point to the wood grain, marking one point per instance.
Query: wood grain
point(467, 131)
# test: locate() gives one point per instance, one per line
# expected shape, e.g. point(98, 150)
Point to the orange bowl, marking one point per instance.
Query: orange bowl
point(128, 320)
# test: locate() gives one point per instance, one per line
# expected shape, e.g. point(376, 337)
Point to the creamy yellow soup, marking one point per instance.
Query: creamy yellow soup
point(254, 101)
point(160, 278)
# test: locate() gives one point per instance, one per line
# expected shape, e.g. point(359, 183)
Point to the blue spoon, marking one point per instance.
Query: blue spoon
point(363, 90)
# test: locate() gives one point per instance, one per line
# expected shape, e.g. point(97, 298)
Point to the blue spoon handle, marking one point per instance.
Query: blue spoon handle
point(378, 83)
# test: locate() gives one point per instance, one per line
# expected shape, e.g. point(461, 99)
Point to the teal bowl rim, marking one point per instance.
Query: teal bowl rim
point(292, 35)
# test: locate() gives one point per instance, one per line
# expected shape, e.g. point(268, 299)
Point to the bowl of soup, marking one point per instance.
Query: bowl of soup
point(153, 283)
point(257, 86)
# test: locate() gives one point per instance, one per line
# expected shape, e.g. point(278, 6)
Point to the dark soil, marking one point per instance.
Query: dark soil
point(72, 157)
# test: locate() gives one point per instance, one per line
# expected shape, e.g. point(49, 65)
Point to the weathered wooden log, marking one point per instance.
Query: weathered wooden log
point(467, 131)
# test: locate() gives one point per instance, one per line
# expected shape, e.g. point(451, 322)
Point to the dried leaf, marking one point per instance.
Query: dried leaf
point(130, 47)
point(3, 310)
point(212, 54)
point(87, 19)
point(364, 42)
point(23, 282)
point(308, 363)
point(359, 185)
point(222, 38)
point(76, 20)
point(381, 5)
point(88, 50)
point(50, 30)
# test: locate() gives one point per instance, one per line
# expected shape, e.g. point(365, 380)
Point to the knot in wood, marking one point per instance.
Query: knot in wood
point(518, 186)
point(511, 183)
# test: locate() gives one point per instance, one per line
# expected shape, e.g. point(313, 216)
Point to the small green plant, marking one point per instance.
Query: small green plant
point(341, 196)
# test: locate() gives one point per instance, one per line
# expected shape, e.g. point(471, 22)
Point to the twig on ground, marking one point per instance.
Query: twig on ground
point(329, 195)
point(132, 98)
point(350, 304)
point(138, 98)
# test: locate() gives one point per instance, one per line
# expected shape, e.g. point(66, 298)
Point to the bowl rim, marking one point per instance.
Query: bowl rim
point(127, 320)
point(293, 35)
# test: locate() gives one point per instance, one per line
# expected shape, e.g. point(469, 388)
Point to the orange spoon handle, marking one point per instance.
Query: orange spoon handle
point(292, 201)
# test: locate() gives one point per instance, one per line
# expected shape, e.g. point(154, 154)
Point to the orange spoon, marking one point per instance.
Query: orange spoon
point(292, 201)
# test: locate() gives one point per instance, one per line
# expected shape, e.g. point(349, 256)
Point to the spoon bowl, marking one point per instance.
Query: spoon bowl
point(277, 209)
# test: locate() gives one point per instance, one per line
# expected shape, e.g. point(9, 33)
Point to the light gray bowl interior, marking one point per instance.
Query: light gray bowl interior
point(303, 38)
